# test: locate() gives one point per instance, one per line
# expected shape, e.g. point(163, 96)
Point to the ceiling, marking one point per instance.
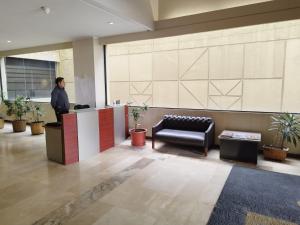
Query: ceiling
point(24, 24)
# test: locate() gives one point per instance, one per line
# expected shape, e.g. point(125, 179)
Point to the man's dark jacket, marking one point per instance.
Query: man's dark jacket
point(60, 100)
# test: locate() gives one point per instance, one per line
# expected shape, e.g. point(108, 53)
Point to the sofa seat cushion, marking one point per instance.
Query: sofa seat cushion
point(181, 136)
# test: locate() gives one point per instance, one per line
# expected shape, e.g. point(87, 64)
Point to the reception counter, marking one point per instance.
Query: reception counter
point(85, 133)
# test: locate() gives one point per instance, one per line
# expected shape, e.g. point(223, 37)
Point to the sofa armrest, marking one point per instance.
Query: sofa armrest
point(157, 127)
point(209, 135)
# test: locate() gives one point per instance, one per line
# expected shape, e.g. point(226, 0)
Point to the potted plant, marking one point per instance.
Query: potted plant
point(138, 135)
point(18, 108)
point(37, 126)
point(287, 127)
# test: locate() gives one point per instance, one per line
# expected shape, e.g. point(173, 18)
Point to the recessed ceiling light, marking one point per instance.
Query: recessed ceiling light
point(8, 41)
point(111, 23)
point(46, 9)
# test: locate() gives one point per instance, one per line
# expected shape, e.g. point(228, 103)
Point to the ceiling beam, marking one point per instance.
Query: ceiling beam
point(43, 48)
point(259, 13)
point(134, 11)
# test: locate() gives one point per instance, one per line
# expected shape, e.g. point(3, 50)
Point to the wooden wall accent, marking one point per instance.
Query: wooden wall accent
point(106, 128)
point(70, 141)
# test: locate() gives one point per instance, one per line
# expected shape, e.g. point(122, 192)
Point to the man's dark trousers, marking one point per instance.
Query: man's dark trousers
point(59, 115)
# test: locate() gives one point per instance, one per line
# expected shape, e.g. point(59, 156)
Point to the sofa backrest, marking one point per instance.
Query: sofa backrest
point(191, 123)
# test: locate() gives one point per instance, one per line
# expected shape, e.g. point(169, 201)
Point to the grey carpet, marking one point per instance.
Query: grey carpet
point(272, 196)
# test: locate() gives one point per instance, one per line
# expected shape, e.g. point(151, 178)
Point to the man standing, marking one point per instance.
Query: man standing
point(59, 99)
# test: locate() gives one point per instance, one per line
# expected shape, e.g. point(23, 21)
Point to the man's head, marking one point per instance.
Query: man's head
point(60, 82)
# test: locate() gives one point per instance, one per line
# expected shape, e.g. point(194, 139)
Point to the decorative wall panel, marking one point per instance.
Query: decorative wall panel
point(165, 93)
point(165, 65)
point(140, 67)
point(224, 102)
point(264, 59)
point(193, 64)
point(163, 44)
point(253, 68)
point(226, 61)
point(118, 68)
point(291, 90)
point(140, 46)
point(119, 90)
point(262, 94)
point(193, 94)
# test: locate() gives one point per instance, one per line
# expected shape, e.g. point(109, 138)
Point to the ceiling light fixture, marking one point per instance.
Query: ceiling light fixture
point(111, 23)
point(46, 9)
point(8, 41)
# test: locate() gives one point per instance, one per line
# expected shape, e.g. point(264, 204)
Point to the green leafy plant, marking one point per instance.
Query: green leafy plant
point(1, 103)
point(18, 108)
point(136, 113)
point(287, 126)
point(37, 111)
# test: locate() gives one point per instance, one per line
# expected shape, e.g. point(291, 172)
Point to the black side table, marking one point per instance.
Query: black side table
point(240, 146)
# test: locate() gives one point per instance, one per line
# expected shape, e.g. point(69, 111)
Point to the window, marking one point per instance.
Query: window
point(30, 78)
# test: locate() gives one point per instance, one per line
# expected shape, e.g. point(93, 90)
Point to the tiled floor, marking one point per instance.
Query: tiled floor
point(123, 185)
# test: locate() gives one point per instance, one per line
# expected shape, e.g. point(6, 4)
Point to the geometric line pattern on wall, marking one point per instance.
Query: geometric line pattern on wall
point(249, 71)
point(186, 100)
point(148, 90)
point(141, 99)
point(236, 90)
point(225, 87)
point(213, 90)
point(133, 90)
point(195, 89)
point(140, 88)
point(236, 105)
point(198, 67)
point(225, 102)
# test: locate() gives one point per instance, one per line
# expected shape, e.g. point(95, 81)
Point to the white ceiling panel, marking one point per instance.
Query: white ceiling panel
point(24, 24)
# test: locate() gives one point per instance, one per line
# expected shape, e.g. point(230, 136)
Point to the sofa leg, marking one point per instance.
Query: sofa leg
point(153, 143)
point(205, 151)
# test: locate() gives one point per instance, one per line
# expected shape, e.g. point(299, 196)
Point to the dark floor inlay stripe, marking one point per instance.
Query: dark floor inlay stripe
point(63, 214)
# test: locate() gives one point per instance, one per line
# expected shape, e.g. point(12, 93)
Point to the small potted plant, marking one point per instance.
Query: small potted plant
point(18, 108)
point(37, 126)
point(138, 135)
point(287, 127)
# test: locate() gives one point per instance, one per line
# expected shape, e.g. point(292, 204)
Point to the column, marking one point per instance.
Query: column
point(89, 72)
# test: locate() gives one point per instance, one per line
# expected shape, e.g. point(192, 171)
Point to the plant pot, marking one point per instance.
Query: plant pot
point(274, 153)
point(19, 125)
point(37, 128)
point(1, 123)
point(138, 137)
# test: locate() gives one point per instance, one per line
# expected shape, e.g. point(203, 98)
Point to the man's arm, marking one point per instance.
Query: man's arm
point(67, 101)
point(53, 99)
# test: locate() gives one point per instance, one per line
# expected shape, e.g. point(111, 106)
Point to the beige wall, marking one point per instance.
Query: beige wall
point(244, 69)
point(47, 56)
point(241, 121)
point(177, 8)
point(66, 69)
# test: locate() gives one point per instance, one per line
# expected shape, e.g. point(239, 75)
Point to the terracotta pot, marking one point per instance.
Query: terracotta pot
point(275, 153)
point(37, 128)
point(19, 125)
point(138, 137)
point(1, 123)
